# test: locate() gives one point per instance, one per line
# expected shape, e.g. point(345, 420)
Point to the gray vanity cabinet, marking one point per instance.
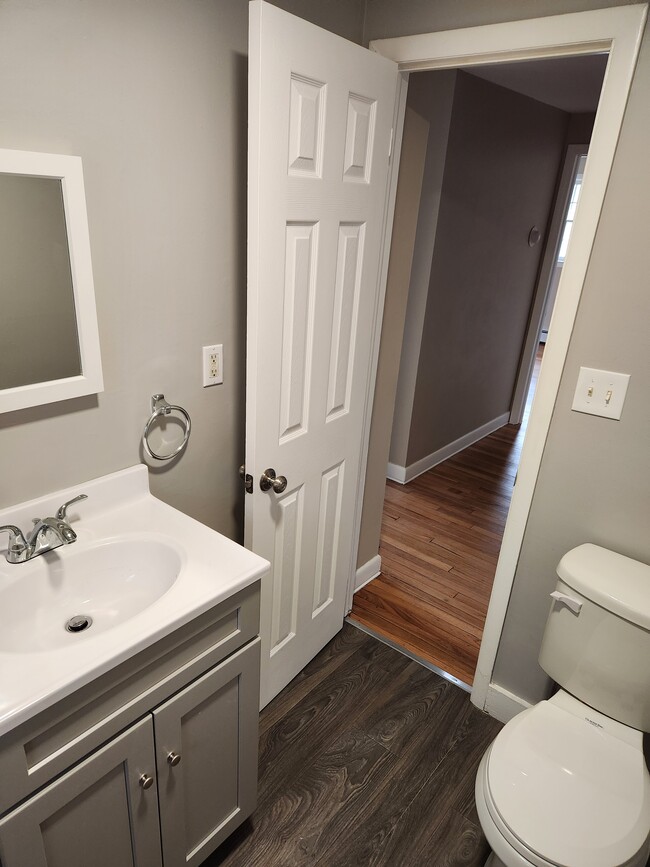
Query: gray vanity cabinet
point(206, 756)
point(97, 814)
point(152, 765)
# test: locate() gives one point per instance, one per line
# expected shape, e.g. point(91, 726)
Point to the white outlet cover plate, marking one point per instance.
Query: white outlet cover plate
point(208, 351)
point(608, 390)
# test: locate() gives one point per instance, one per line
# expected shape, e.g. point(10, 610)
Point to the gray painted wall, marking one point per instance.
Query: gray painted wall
point(594, 482)
point(431, 96)
point(152, 96)
point(503, 157)
point(344, 17)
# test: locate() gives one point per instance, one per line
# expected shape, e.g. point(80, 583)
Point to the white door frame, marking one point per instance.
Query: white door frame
point(617, 31)
point(549, 258)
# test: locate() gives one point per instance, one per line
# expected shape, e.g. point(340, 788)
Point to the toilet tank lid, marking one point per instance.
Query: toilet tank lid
point(617, 583)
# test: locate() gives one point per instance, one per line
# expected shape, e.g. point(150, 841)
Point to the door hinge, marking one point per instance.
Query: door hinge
point(390, 143)
point(247, 479)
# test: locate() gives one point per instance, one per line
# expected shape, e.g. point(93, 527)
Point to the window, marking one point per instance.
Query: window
point(571, 209)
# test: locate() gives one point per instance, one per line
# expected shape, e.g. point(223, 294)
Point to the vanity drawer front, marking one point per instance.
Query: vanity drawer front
point(49, 744)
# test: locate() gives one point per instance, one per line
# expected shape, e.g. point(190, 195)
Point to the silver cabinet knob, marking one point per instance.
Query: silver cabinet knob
point(173, 759)
point(146, 782)
point(269, 480)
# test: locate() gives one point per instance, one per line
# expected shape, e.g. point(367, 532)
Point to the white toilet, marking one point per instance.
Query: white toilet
point(565, 783)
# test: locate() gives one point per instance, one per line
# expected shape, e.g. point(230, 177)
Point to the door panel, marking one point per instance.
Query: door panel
point(206, 756)
point(97, 813)
point(321, 111)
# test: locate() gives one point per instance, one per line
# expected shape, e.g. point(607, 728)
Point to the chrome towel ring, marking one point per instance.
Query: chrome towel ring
point(159, 406)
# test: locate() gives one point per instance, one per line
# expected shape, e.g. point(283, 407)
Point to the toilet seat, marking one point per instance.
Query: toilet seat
point(564, 792)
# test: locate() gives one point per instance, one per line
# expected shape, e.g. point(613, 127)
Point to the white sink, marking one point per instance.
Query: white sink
point(107, 583)
point(139, 570)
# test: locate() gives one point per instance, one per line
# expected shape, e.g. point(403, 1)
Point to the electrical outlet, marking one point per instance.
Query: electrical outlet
point(600, 392)
point(212, 365)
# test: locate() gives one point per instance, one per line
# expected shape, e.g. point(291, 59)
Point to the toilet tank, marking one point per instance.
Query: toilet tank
point(596, 643)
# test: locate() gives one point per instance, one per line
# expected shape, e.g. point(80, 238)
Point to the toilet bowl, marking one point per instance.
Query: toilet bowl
point(563, 785)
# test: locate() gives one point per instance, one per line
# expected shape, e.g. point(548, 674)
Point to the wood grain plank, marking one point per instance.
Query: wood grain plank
point(451, 783)
point(303, 729)
point(359, 770)
point(454, 842)
point(389, 819)
point(333, 655)
point(454, 654)
point(321, 794)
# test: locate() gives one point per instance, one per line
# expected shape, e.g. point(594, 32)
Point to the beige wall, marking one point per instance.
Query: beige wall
point(152, 96)
point(595, 474)
point(502, 163)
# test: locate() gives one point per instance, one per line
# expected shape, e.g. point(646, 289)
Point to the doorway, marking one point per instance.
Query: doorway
point(440, 540)
point(442, 530)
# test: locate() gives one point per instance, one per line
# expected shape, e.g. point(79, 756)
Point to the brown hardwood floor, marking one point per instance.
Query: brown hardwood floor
point(440, 541)
point(366, 758)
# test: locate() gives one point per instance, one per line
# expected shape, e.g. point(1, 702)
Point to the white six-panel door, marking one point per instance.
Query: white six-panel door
point(320, 116)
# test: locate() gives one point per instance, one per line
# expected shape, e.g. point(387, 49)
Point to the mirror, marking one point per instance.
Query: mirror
point(49, 343)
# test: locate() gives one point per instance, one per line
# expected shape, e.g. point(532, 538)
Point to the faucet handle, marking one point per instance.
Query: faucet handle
point(61, 513)
point(17, 547)
point(16, 537)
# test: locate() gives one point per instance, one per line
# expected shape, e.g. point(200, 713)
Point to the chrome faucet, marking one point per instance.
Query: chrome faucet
point(47, 534)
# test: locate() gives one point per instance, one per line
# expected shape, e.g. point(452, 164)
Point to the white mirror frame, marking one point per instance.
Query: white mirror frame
point(68, 170)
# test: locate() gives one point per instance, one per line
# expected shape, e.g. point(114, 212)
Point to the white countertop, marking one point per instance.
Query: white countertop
point(119, 507)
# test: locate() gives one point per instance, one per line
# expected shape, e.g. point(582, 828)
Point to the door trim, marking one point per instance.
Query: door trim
point(554, 236)
point(617, 31)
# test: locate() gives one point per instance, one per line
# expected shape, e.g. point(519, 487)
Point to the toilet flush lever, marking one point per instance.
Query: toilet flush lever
point(574, 605)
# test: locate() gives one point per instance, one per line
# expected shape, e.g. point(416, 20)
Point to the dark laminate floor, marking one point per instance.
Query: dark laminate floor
point(366, 758)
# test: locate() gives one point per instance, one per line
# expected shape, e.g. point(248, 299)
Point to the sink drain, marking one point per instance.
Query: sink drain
point(78, 623)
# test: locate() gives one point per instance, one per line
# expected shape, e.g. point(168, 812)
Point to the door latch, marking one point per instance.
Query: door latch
point(246, 478)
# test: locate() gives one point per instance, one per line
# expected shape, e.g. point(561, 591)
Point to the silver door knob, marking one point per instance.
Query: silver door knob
point(146, 782)
point(173, 759)
point(269, 480)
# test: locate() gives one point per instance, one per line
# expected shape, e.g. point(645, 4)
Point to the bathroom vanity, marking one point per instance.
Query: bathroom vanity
point(135, 744)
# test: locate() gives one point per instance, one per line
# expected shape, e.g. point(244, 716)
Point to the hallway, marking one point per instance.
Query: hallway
point(440, 541)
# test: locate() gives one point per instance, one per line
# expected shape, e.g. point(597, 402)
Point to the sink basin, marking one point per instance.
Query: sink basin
point(107, 583)
point(135, 583)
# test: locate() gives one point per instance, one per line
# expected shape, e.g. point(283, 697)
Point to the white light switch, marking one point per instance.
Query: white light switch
point(600, 392)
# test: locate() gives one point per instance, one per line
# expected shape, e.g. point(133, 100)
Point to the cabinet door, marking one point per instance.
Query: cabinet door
point(98, 813)
point(212, 726)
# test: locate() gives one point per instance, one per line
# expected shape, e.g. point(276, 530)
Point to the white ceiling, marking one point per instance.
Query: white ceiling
point(570, 83)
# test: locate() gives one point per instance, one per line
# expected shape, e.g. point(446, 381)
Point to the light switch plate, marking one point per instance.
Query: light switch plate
point(600, 392)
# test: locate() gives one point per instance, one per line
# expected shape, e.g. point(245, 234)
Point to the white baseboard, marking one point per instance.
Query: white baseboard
point(406, 474)
point(396, 473)
point(367, 572)
point(502, 704)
